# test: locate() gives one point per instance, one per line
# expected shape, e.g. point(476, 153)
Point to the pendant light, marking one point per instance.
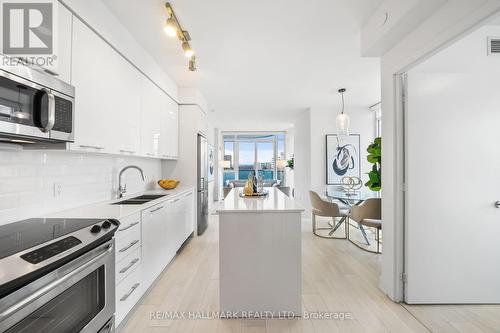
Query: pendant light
point(342, 119)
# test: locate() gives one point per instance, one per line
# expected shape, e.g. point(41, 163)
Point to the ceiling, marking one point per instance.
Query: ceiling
point(262, 60)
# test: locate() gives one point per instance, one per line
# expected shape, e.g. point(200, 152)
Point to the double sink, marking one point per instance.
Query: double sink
point(142, 199)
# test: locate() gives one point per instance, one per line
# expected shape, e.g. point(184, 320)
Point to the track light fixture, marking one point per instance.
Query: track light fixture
point(192, 64)
point(188, 51)
point(173, 28)
point(170, 27)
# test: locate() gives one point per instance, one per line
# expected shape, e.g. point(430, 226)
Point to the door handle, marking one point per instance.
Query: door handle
point(134, 287)
point(129, 226)
point(129, 246)
point(132, 263)
point(156, 209)
point(497, 204)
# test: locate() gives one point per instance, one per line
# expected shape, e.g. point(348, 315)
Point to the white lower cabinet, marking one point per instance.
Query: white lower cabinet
point(128, 257)
point(154, 245)
point(189, 213)
point(127, 265)
point(128, 292)
point(145, 243)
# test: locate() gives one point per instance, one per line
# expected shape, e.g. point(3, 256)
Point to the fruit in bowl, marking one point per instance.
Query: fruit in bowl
point(168, 184)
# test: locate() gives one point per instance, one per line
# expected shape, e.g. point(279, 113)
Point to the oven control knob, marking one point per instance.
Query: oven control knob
point(106, 225)
point(95, 229)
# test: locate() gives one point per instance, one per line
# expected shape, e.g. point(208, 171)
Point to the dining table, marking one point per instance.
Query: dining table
point(349, 199)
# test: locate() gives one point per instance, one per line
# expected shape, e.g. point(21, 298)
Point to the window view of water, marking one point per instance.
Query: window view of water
point(244, 153)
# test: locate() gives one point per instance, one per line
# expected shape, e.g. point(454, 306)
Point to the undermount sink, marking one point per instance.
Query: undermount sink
point(142, 199)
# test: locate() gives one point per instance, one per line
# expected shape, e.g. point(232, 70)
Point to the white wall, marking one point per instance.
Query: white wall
point(310, 130)
point(302, 163)
point(27, 180)
point(452, 20)
point(322, 123)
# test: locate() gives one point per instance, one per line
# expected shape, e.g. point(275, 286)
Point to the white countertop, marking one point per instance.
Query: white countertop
point(106, 210)
point(275, 201)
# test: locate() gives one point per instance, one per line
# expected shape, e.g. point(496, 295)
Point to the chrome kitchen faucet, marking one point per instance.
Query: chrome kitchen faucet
point(123, 188)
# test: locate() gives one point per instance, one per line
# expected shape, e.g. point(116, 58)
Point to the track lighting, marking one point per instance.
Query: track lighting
point(192, 64)
point(170, 27)
point(173, 28)
point(188, 51)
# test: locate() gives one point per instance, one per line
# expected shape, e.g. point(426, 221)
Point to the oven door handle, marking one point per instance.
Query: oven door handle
point(53, 284)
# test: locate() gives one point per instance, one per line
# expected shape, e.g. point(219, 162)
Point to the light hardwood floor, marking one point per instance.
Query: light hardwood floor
point(337, 277)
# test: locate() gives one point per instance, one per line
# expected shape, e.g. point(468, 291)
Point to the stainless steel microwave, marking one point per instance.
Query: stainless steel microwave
point(35, 106)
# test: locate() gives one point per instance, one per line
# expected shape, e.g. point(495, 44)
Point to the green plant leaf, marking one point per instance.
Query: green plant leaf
point(372, 158)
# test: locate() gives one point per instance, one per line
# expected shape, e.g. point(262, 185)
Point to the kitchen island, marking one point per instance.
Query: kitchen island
point(260, 255)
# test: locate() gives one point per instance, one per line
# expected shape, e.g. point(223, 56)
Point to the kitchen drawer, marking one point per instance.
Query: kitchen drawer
point(129, 224)
point(128, 293)
point(127, 244)
point(126, 265)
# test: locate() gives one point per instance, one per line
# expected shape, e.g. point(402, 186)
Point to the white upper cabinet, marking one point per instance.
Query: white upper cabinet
point(170, 129)
point(107, 96)
point(126, 107)
point(151, 106)
point(118, 110)
point(92, 80)
point(159, 122)
point(63, 52)
point(59, 66)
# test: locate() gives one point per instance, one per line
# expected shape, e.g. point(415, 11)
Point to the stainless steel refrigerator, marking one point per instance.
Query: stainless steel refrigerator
point(202, 184)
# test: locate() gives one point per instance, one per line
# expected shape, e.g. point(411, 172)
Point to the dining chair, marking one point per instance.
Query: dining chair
point(368, 214)
point(325, 208)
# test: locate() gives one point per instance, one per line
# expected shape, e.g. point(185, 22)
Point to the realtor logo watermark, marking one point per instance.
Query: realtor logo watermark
point(28, 30)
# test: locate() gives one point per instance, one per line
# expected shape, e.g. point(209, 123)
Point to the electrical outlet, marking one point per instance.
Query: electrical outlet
point(57, 189)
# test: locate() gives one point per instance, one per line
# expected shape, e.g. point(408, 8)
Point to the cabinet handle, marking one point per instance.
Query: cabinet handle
point(134, 287)
point(129, 226)
point(127, 151)
point(156, 209)
point(124, 269)
point(174, 200)
point(48, 71)
point(94, 147)
point(188, 194)
point(150, 154)
point(129, 246)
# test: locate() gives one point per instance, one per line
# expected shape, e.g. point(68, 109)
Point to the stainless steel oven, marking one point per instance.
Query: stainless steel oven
point(74, 290)
point(34, 105)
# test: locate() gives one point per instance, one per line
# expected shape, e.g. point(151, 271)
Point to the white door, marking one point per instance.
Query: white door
point(453, 181)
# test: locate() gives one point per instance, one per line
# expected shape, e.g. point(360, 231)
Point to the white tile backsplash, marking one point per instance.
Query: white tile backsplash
point(27, 180)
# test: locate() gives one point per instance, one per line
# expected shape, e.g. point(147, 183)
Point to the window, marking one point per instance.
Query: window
point(246, 152)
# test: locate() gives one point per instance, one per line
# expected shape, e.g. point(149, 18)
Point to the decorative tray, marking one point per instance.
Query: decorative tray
point(254, 195)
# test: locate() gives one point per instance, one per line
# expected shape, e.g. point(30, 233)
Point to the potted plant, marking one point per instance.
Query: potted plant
point(375, 157)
